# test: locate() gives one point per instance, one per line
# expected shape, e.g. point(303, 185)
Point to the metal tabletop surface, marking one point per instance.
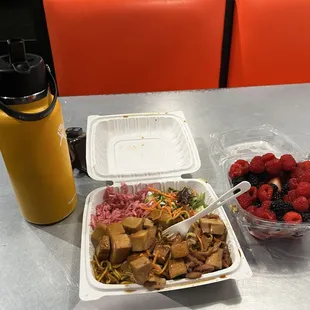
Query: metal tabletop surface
point(40, 265)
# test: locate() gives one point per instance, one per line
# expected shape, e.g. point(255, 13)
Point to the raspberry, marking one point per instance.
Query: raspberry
point(245, 200)
point(244, 166)
point(288, 162)
point(292, 183)
point(251, 209)
point(253, 192)
point(291, 196)
point(274, 167)
point(292, 217)
point(266, 204)
point(266, 214)
point(305, 177)
point(307, 164)
point(303, 189)
point(268, 156)
point(265, 192)
point(297, 172)
point(235, 171)
point(301, 204)
point(257, 165)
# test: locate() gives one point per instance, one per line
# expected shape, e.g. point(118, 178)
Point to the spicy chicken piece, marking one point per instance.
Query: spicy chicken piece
point(215, 259)
point(141, 268)
point(115, 229)
point(120, 248)
point(177, 268)
point(132, 224)
point(162, 252)
point(103, 248)
point(97, 234)
point(179, 250)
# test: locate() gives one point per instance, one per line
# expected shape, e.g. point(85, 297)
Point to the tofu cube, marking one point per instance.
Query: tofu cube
point(141, 268)
point(97, 235)
point(147, 223)
point(132, 224)
point(215, 259)
point(140, 241)
point(115, 229)
point(177, 268)
point(212, 226)
point(164, 219)
point(205, 225)
point(162, 252)
point(103, 248)
point(179, 250)
point(120, 248)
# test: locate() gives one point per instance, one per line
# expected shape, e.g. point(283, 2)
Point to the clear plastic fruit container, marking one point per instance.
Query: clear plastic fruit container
point(229, 146)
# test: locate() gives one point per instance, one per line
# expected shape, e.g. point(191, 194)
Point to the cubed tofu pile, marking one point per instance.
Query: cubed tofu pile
point(134, 243)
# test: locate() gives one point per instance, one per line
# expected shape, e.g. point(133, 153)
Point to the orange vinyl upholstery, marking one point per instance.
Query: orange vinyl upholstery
point(127, 46)
point(270, 43)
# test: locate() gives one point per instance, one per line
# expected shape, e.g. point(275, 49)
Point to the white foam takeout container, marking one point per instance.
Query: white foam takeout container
point(141, 149)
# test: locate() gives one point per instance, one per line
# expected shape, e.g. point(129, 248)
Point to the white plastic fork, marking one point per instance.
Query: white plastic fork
point(183, 227)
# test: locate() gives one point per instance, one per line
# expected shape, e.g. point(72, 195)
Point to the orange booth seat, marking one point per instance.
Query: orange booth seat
point(127, 46)
point(270, 43)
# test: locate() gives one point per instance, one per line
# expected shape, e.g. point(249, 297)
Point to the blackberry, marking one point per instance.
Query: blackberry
point(274, 187)
point(263, 177)
point(285, 188)
point(280, 207)
point(256, 204)
point(279, 218)
point(277, 196)
point(253, 179)
point(235, 181)
point(305, 216)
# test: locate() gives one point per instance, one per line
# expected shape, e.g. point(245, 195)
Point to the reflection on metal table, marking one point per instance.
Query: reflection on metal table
point(40, 265)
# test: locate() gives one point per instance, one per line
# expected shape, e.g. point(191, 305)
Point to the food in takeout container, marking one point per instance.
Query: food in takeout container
point(121, 149)
point(132, 249)
point(277, 204)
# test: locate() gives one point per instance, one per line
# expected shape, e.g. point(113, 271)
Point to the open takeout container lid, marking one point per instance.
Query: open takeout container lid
point(144, 146)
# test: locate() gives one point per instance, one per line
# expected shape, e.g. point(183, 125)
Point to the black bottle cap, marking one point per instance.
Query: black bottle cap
point(21, 74)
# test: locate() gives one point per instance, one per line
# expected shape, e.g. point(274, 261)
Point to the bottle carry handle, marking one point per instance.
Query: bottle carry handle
point(35, 116)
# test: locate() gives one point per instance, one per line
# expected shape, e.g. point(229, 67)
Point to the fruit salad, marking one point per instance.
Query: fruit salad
point(280, 190)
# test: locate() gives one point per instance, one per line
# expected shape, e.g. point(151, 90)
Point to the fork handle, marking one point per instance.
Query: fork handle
point(241, 187)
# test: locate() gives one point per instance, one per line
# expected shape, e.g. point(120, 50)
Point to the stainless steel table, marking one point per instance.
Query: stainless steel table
point(40, 265)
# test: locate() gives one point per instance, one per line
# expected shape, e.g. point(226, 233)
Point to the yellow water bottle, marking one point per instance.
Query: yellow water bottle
point(33, 139)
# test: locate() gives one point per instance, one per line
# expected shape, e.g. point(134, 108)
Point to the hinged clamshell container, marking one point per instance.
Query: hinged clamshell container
point(142, 149)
